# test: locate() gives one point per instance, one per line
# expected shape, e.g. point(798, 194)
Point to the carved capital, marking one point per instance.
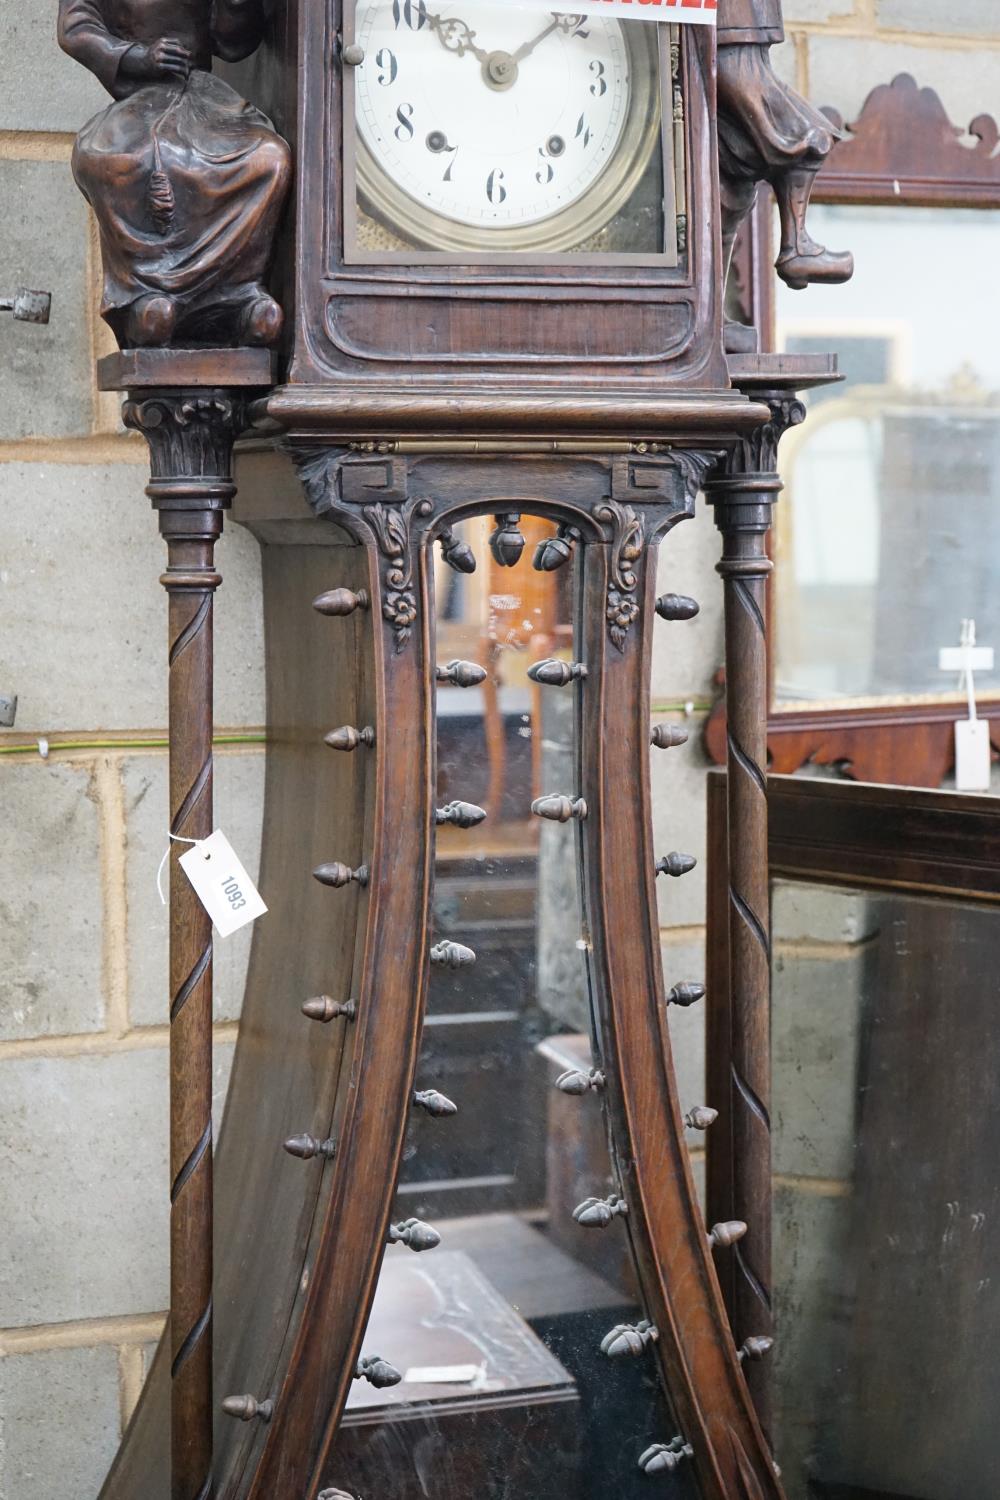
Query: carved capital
point(757, 452)
point(190, 434)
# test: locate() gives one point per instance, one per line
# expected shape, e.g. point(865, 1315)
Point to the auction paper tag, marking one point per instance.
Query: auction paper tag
point(698, 12)
point(222, 884)
point(972, 755)
point(442, 1374)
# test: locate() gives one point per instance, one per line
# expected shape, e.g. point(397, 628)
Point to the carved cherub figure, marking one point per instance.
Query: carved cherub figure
point(769, 133)
point(186, 179)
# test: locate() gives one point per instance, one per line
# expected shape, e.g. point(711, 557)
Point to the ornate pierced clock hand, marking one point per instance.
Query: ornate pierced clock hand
point(455, 36)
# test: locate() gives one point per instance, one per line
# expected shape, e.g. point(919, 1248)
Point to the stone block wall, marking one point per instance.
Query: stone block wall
point(83, 1000)
point(82, 636)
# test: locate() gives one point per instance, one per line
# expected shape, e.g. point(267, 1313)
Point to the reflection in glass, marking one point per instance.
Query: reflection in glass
point(889, 531)
point(497, 1331)
point(887, 1267)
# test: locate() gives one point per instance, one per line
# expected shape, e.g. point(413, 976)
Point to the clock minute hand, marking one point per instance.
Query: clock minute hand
point(455, 36)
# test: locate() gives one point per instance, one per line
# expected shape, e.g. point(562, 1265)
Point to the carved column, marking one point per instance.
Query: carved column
point(743, 496)
point(190, 436)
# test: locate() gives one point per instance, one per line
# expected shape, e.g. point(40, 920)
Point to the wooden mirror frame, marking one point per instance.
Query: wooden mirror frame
point(902, 149)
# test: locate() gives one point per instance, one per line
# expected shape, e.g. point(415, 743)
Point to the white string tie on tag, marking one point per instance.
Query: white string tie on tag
point(174, 838)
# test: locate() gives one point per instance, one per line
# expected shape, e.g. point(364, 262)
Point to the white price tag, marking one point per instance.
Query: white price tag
point(966, 659)
point(442, 1374)
point(222, 884)
point(972, 755)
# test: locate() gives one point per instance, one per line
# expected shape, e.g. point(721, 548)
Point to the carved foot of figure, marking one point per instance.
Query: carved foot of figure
point(814, 263)
point(802, 260)
point(151, 322)
point(261, 322)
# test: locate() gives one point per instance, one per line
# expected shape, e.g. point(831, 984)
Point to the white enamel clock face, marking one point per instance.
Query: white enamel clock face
point(498, 126)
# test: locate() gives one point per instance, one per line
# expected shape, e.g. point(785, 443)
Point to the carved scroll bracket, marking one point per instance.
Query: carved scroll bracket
point(392, 529)
point(630, 527)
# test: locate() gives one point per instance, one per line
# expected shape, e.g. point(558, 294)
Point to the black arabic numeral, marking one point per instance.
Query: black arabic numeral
point(495, 190)
point(447, 171)
point(387, 62)
point(545, 167)
point(404, 130)
point(413, 15)
point(582, 130)
point(598, 87)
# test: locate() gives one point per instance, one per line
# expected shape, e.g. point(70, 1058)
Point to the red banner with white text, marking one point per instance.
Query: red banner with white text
point(700, 12)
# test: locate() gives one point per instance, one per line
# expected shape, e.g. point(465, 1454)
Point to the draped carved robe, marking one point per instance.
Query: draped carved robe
point(765, 128)
point(187, 181)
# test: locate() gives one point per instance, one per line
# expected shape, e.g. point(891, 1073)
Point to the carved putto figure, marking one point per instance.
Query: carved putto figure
point(186, 179)
point(769, 133)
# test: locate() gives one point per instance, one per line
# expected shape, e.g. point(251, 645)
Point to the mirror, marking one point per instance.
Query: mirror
point(888, 533)
point(885, 1092)
point(523, 1361)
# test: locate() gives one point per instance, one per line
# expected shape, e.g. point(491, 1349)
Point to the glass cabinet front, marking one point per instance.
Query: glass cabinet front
point(511, 132)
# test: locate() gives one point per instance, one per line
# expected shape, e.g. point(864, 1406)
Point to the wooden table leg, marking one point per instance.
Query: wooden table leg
point(743, 498)
point(190, 436)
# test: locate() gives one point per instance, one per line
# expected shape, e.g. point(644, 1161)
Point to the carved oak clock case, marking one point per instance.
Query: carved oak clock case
point(501, 275)
point(501, 208)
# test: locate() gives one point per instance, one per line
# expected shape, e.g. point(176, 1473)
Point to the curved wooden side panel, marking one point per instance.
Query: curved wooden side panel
point(286, 1071)
point(352, 1223)
point(664, 1221)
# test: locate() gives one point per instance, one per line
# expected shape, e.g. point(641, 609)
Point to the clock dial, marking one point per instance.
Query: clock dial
point(505, 128)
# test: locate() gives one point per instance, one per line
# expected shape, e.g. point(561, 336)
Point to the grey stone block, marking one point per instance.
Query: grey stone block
point(821, 914)
point(59, 1417)
point(816, 1015)
point(698, 1171)
point(239, 802)
point(47, 369)
point(678, 794)
point(51, 914)
point(972, 18)
point(818, 10)
point(686, 961)
point(84, 1185)
point(785, 61)
point(84, 616)
point(844, 70)
point(43, 88)
point(687, 653)
point(811, 1316)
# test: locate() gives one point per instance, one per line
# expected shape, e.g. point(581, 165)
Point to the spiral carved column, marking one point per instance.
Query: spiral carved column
point(190, 436)
point(743, 497)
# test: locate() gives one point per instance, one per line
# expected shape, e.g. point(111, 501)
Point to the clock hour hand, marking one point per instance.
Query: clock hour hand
point(529, 47)
point(455, 36)
point(565, 24)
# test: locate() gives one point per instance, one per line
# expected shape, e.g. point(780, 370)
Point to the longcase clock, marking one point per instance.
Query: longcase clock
point(457, 1243)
